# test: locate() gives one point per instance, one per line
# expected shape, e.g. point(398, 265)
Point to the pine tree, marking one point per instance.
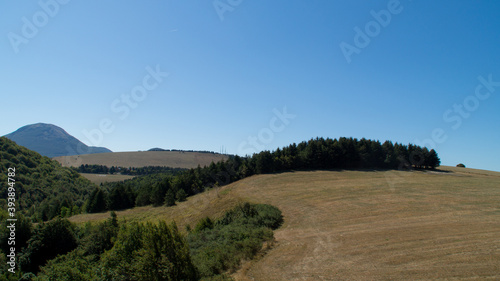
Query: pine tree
point(181, 195)
point(170, 198)
point(433, 160)
point(96, 202)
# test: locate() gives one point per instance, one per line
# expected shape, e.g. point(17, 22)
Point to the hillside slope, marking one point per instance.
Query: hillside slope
point(51, 141)
point(174, 159)
point(362, 225)
point(42, 187)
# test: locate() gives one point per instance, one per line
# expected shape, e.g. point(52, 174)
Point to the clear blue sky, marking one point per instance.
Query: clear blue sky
point(340, 68)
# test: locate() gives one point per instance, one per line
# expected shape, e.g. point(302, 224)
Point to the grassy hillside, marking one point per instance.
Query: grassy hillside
point(362, 225)
point(175, 159)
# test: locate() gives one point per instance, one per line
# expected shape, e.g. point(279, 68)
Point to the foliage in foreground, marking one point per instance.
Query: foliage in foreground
point(219, 247)
point(59, 250)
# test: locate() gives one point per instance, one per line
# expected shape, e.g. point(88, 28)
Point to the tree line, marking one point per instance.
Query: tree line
point(47, 190)
point(132, 171)
point(319, 153)
point(182, 150)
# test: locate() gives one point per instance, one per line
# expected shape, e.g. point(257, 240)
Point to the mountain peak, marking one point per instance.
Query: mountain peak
point(51, 140)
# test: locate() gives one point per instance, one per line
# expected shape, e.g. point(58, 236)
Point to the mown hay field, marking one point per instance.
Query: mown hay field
point(362, 225)
point(102, 178)
point(173, 159)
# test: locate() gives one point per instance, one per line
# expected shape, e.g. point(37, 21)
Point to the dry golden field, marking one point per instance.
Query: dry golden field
point(362, 225)
point(101, 178)
point(173, 159)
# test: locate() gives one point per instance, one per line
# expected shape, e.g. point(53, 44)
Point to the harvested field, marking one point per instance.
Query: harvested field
point(100, 178)
point(363, 225)
point(173, 159)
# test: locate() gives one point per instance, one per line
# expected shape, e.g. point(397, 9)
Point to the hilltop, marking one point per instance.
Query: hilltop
point(51, 141)
point(354, 225)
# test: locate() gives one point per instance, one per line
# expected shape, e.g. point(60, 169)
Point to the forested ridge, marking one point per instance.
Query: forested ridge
point(319, 153)
point(62, 192)
point(43, 188)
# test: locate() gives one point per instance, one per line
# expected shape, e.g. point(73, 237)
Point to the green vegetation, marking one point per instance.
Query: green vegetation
point(49, 240)
point(43, 188)
point(218, 247)
point(113, 250)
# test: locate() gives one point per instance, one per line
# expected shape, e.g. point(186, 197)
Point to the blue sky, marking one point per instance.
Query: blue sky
point(252, 75)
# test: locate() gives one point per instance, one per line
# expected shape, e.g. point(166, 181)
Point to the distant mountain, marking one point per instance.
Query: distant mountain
point(158, 149)
point(52, 141)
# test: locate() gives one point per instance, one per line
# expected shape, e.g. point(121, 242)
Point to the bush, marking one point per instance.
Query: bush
point(217, 248)
point(148, 252)
point(461, 165)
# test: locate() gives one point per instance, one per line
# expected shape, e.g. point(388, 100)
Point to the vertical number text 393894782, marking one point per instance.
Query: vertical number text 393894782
point(11, 220)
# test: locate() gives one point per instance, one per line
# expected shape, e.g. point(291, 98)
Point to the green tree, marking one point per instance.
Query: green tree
point(72, 266)
point(181, 195)
point(264, 162)
point(433, 160)
point(203, 224)
point(164, 256)
point(96, 202)
point(120, 197)
point(48, 240)
point(100, 237)
point(158, 192)
point(23, 229)
point(148, 252)
point(170, 198)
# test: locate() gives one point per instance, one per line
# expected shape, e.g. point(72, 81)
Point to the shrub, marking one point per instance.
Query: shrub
point(218, 247)
point(461, 165)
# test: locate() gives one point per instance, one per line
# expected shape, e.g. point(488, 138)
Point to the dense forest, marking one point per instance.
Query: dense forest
point(44, 189)
point(116, 250)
